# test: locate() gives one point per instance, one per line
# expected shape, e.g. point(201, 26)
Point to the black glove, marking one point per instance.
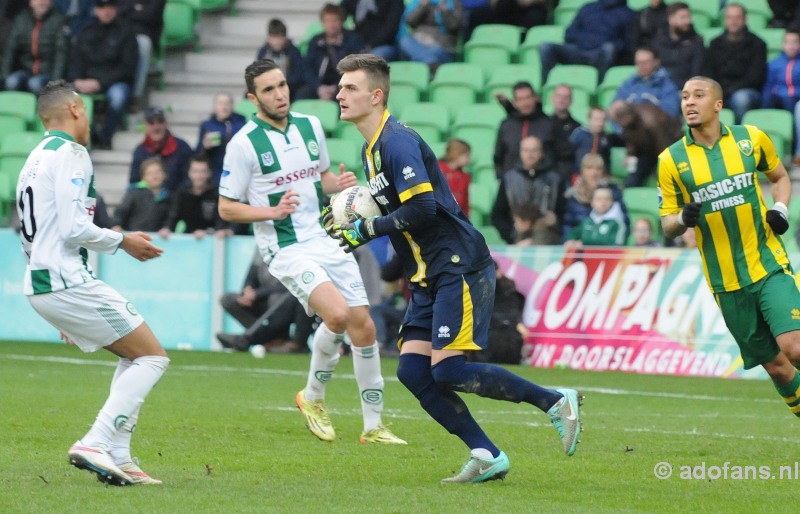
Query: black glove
point(778, 219)
point(690, 214)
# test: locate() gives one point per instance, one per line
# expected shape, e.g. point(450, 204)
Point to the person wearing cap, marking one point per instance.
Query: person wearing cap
point(104, 60)
point(174, 152)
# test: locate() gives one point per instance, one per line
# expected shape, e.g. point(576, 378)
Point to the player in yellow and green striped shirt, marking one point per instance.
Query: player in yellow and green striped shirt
point(708, 181)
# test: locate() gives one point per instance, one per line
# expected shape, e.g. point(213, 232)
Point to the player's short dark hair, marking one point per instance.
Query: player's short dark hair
point(255, 69)
point(675, 7)
point(376, 68)
point(276, 27)
point(52, 95)
point(332, 9)
point(523, 84)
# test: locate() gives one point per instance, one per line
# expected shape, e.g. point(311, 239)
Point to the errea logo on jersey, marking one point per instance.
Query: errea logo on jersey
point(444, 331)
point(408, 173)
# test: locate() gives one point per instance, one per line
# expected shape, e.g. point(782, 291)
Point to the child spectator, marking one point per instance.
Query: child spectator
point(643, 233)
point(216, 131)
point(591, 138)
point(457, 156)
point(783, 79)
point(145, 207)
point(195, 204)
point(534, 227)
point(579, 196)
point(280, 49)
point(605, 225)
point(174, 152)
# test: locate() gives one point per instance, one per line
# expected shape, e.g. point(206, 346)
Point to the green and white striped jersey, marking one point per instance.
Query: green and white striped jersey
point(262, 163)
point(56, 203)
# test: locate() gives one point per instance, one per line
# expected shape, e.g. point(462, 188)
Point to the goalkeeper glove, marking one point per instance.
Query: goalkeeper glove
point(690, 214)
point(326, 216)
point(778, 218)
point(355, 233)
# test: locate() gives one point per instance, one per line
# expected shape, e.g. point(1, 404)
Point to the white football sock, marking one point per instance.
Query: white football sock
point(121, 442)
point(367, 368)
point(324, 357)
point(128, 392)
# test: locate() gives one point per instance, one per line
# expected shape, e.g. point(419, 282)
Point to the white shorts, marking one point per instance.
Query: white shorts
point(301, 267)
point(93, 315)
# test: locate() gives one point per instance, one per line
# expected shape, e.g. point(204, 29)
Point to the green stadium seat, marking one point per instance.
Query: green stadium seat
point(616, 168)
point(214, 5)
point(613, 78)
point(564, 14)
point(326, 110)
point(313, 28)
point(428, 134)
point(180, 19)
point(438, 148)
point(456, 85)
point(638, 5)
point(347, 130)
point(413, 73)
point(480, 139)
point(433, 116)
point(710, 33)
point(774, 40)
point(727, 117)
point(245, 108)
point(9, 124)
point(643, 201)
point(481, 199)
point(704, 8)
point(491, 235)
point(579, 76)
point(488, 115)
point(401, 95)
point(346, 152)
point(504, 77)
point(529, 50)
point(19, 144)
point(775, 122)
point(492, 45)
point(20, 104)
point(702, 20)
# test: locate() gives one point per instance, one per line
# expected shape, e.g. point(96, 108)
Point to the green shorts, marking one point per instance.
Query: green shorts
point(760, 312)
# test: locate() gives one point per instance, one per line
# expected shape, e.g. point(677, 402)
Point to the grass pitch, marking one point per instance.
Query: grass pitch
point(223, 433)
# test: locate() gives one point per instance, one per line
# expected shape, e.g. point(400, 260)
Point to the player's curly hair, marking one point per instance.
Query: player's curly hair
point(376, 68)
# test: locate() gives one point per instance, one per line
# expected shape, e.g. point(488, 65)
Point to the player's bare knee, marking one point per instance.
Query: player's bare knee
point(337, 319)
point(780, 370)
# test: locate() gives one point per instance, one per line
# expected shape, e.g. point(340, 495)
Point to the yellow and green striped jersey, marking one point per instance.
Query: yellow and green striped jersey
point(737, 246)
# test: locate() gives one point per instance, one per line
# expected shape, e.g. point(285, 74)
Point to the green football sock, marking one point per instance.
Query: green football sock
point(791, 393)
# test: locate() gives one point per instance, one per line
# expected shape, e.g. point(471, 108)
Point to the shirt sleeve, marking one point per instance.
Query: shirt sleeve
point(767, 158)
point(236, 170)
point(324, 156)
point(402, 157)
point(670, 198)
point(71, 184)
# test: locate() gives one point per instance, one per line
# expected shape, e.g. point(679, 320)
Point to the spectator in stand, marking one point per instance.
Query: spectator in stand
point(579, 197)
point(101, 217)
point(435, 26)
point(8, 10)
point(522, 13)
point(599, 36)
point(174, 153)
point(104, 60)
point(36, 48)
point(643, 233)
point(325, 50)
point(787, 14)
point(525, 118)
point(605, 225)
point(377, 22)
point(563, 127)
point(145, 207)
point(216, 131)
point(531, 227)
point(651, 83)
point(77, 13)
point(532, 183)
point(195, 204)
point(649, 23)
point(680, 48)
point(146, 19)
point(737, 59)
point(646, 130)
point(591, 138)
point(783, 80)
point(281, 49)
point(457, 156)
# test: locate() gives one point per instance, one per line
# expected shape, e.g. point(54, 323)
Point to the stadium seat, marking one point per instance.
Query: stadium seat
point(180, 19)
point(726, 116)
point(401, 95)
point(638, 5)
point(488, 115)
point(703, 9)
point(438, 148)
point(775, 122)
point(710, 33)
point(313, 28)
point(456, 85)
point(564, 14)
point(616, 168)
point(19, 143)
point(504, 77)
point(20, 104)
point(408, 83)
point(214, 5)
point(774, 40)
point(529, 50)
point(481, 140)
point(326, 110)
point(245, 108)
point(347, 130)
point(643, 201)
point(433, 116)
point(614, 78)
point(347, 152)
point(491, 235)
point(492, 45)
point(481, 199)
point(9, 124)
point(578, 76)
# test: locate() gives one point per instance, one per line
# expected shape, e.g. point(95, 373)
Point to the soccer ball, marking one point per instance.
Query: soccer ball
point(351, 201)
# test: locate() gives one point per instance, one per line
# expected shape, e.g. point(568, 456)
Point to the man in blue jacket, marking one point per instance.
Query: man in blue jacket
point(598, 36)
point(782, 88)
point(651, 83)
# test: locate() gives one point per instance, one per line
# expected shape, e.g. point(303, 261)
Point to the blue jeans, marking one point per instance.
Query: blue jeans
point(143, 67)
point(116, 103)
point(413, 50)
point(552, 54)
point(742, 100)
point(23, 81)
point(387, 52)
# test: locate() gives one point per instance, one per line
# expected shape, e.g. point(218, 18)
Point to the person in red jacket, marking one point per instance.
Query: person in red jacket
point(457, 156)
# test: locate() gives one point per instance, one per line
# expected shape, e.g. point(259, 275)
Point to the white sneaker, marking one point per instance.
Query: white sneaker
point(99, 462)
point(138, 477)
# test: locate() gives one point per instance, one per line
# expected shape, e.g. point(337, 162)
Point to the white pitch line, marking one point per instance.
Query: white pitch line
point(176, 368)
